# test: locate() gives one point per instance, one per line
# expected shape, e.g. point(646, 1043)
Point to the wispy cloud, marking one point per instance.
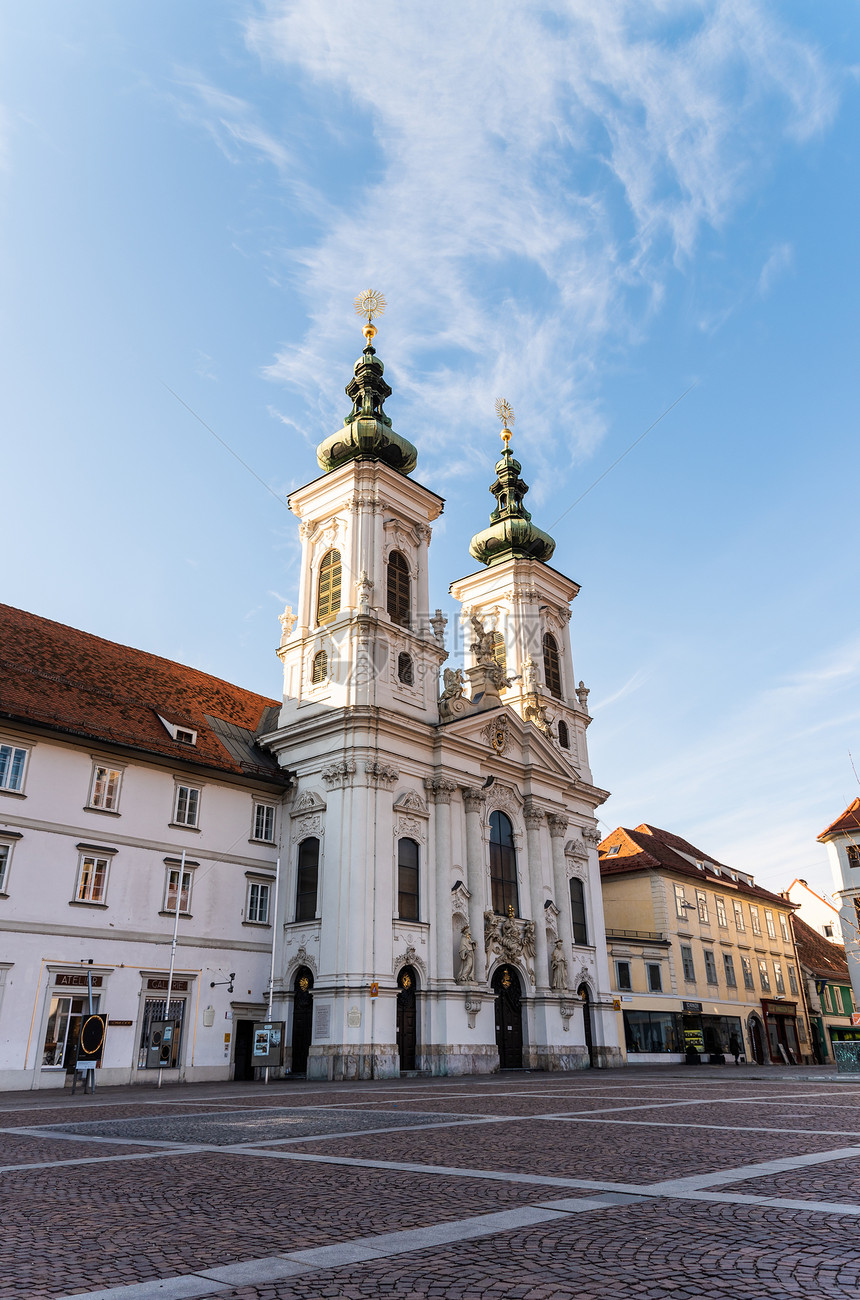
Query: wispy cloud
point(779, 261)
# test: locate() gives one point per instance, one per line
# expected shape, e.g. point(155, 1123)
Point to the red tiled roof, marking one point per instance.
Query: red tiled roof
point(847, 821)
point(78, 684)
point(642, 850)
point(817, 954)
point(675, 842)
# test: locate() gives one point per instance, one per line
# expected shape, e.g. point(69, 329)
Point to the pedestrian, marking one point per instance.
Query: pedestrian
point(735, 1048)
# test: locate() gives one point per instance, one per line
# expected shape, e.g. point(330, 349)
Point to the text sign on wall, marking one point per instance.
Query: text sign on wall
point(77, 981)
point(322, 1020)
point(178, 986)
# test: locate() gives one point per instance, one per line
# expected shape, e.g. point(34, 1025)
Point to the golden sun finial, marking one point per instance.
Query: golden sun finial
point(505, 412)
point(370, 304)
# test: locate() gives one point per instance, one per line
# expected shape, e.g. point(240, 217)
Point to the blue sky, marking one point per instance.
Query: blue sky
point(584, 208)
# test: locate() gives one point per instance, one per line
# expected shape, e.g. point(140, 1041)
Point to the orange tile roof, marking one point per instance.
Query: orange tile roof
point(847, 821)
point(81, 685)
point(652, 849)
point(817, 954)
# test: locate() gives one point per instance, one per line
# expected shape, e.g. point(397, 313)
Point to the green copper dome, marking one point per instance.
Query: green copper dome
point(511, 534)
point(367, 433)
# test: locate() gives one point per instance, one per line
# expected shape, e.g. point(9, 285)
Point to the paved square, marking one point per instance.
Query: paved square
point(656, 1183)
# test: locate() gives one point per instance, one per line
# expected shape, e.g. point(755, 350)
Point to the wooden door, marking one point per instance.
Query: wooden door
point(407, 1019)
point(509, 1018)
point(303, 1015)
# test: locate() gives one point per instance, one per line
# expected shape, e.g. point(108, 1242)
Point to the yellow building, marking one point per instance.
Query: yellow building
point(701, 958)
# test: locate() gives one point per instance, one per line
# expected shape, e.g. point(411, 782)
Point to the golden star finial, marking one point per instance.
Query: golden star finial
point(505, 412)
point(370, 304)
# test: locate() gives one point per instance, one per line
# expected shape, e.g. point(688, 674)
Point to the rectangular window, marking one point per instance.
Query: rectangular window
point(186, 805)
point(722, 919)
point(710, 967)
point(778, 980)
point(687, 962)
point(171, 885)
point(257, 909)
point(407, 880)
point(655, 977)
point(264, 822)
point(729, 969)
point(577, 911)
point(768, 920)
point(739, 915)
point(746, 967)
point(653, 1031)
point(92, 879)
point(702, 904)
point(12, 763)
point(783, 926)
point(792, 980)
point(756, 923)
point(104, 791)
point(307, 879)
point(680, 903)
point(622, 976)
point(5, 856)
point(763, 977)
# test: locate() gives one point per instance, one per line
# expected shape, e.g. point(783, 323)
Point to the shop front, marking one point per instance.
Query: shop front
point(780, 1022)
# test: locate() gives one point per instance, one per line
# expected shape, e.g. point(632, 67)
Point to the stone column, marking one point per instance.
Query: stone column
point(534, 817)
point(475, 801)
point(557, 831)
point(439, 791)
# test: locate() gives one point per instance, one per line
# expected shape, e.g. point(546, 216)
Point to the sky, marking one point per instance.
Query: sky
point(607, 214)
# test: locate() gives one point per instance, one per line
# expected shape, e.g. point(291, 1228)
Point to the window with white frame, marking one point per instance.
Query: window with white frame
point(780, 982)
point(738, 907)
point(171, 885)
point(186, 805)
point(722, 919)
point(792, 980)
point(763, 976)
point(13, 764)
point(680, 902)
point(264, 822)
point(91, 885)
point(5, 859)
point(783, 926)
point(768, 920)
point(746, 967)
point(702, 904)
point(756, 923)
point(104, 788)
point(257, 903)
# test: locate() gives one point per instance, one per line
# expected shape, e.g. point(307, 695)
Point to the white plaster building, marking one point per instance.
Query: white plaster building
point(842, 838)
point(816, 911)
point(442, 904)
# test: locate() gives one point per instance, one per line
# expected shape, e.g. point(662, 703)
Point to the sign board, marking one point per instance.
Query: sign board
point(374, 990)
point(126, 1023)
point(616, 1004)
point(91, 1038)
point(178, 986)
point(695, 1039)
point(159, 1049)
point(855, 1017)
point(267, 1042)
point(694, 1008)
point(77, 981)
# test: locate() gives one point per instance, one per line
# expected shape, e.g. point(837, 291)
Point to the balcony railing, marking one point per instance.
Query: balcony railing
point(645, 936)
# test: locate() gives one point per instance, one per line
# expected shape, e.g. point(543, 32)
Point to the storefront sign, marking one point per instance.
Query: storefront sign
point(77, 981)
point(126, 1023)
point(178, 986)
point(693, 1007)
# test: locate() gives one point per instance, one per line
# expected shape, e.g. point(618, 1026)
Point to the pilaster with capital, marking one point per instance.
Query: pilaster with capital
point(535, 817)
point(557, 831)
point(474, 801)
point(439, 790)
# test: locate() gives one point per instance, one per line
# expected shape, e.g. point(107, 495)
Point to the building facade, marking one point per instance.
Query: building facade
point(816, 910)
point(701, 957)
point(827, 987)
point(842, 839)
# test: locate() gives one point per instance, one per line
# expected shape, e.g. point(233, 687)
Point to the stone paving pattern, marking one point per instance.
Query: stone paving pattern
point(71, 1229)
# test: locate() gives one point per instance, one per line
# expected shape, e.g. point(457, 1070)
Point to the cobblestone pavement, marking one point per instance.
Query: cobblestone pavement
point(658, 1184)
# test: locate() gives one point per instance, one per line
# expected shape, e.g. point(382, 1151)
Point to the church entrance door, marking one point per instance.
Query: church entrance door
point(407, 1019)
point(509, 1018)
point(586, 1021)
point(303, 1016)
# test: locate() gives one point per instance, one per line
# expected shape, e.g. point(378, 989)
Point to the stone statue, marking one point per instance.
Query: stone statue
point(454, 686)
point(467, 956)
point(482, 646)
point(511, 942)
point(582, 694)
point(529, 674)
point(438, 623)
point(558, 979)
point(287, 621)
point(364, 589)
point(536, 713)
point(492, 936)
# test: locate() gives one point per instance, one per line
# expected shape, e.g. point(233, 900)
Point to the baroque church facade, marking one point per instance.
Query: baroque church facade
point(440, 889)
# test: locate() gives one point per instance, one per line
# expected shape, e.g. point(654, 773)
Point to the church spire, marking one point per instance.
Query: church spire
point(367, 433)
point(511, 535)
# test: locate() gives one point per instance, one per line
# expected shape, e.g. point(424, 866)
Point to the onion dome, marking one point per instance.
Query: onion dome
point(367, 433)
point(511, 534)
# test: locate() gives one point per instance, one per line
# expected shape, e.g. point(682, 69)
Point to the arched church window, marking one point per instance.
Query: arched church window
point(551, 665)
point(319, 668)
point(328, 592)
point(577, 910)
point(407, 880)
point(500, 653)
point(563, 735)
point(405, 671)
point(307, 879)
point(503, 865)
point(399, 589)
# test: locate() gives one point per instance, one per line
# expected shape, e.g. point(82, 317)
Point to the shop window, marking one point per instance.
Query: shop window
point(399, 590)
point(307, 879)
point(687, 963)
point(154, 1012)
point(407, 880)
point(710, 967)
point(655, 977)
point(503, 865)
point(729, 969)
point(652, 1031)
point(319, 668)
point(62, 1021)
point(551, 665)
point(622, 975)
point(577, 911)
point(328, 587)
